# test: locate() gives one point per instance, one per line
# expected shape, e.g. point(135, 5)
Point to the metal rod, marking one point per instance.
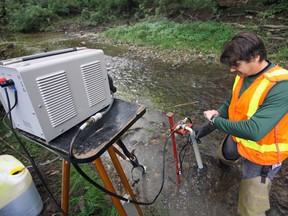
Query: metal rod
point(196, 151)
point(170, 117)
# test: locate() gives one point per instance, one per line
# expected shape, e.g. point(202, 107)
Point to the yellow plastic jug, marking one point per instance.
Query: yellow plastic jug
point(18, 194)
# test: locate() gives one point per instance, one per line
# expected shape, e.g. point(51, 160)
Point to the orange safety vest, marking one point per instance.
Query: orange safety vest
point(273, 148)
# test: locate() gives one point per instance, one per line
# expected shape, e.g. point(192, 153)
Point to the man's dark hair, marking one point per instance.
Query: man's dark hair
point(242, 47)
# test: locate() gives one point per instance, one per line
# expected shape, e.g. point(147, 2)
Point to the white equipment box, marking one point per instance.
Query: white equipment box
point(56, 90)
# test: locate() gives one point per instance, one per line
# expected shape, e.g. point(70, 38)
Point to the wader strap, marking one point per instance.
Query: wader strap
point(264, 172)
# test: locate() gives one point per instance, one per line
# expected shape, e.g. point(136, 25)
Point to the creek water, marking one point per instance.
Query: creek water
point(187, 91)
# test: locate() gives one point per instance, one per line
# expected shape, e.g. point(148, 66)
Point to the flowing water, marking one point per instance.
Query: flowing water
point(187, 91)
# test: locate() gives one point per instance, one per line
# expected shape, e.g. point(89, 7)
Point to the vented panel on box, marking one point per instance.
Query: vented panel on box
point(56, 94)
point(93, 82)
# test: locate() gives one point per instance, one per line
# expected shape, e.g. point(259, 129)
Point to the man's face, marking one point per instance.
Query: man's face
point(244, 68)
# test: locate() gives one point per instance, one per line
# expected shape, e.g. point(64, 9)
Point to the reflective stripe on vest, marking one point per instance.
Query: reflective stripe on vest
point(237, 78)
point(264, 147)
point(253, 106)
point(266, 151)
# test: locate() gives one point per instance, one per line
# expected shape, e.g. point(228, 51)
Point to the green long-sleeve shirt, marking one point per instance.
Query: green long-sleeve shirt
point(274, 107)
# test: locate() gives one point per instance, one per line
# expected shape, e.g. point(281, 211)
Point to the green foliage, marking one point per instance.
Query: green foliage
point(98, 17)
point(85, 198)
point(203, 36)
point(281, 55)
point(8, 137)
point(65, 8)
point(15, 12)
point(31, 19)
point(272, 12)
point(59, 7)
point(32, 15)
point(268, 14)
point(283, 52)
point(192, 4)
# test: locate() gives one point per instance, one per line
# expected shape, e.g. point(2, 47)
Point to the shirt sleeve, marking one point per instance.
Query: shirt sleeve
point(273, 109)
point(223, 109)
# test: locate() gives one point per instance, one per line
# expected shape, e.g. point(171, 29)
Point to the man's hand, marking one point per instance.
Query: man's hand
point(209, 113)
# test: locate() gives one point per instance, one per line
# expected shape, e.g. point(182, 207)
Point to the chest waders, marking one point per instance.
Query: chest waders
point(227, 151)
point(253, 197)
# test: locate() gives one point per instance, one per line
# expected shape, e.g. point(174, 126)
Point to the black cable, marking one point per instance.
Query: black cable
point(189, 119)
point(190, 141)
point(133, 159)
point(74, 138)
point(4, 121)
point(181, 158)
point(15, 103)
point(29, 156)
point(86, 177)
point(135, 181)
point(72, 143)
point(184, 148)
point(16, 98)
point(110, 105)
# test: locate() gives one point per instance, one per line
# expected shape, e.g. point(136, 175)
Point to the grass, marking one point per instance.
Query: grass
point(195, 37)
point(206, 37)
point(86, 198)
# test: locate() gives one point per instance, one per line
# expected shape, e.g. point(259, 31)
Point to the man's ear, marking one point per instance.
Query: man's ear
point(256, 58)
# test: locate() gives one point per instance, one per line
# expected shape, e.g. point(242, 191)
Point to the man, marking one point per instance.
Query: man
point(255, 118)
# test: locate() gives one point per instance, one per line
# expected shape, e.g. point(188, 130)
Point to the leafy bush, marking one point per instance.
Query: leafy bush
point(23, 14)
point(98, 17)
point(65, 8)
point(31, 19)
point(86, 14)
point(58, 7)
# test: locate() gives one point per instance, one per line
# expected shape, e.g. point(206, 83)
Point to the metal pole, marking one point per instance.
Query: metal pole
point(196, 151)
point(170, 116)
point(200, 168)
